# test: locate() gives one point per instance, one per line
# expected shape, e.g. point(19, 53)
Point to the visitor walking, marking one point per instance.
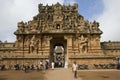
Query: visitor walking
point(74, 67)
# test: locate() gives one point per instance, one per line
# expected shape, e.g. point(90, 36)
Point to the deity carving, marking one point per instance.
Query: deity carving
point(20, 27)
point(26, 27)
point(34, 27)
point(50, 17)
point(82, 44)
point(81, 24)
point(32, 44)
point(94, 27)
point(26, 42)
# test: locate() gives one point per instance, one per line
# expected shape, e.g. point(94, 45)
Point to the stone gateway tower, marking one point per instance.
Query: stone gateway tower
point(57, 33)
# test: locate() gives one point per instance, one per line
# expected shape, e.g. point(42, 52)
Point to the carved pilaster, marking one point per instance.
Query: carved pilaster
point(46, 45)
point(69, 46)
point(69, 40)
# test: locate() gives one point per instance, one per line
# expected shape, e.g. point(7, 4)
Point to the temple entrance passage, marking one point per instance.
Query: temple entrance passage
point(58, 51)
point(59, 56)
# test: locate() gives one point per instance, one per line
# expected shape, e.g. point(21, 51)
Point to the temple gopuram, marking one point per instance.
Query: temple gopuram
point(58, 33)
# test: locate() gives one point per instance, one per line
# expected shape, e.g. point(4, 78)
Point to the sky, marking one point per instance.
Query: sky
point(106, 12)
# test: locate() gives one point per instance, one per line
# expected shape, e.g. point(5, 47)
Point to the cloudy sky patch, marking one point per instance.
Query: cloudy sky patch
point(106, 12)
point(110, 20)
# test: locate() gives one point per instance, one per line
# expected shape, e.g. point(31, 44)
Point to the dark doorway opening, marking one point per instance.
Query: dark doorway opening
point(59, 56)
point(58, 52)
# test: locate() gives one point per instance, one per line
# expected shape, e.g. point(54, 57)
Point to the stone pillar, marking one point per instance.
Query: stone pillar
point(69, 47)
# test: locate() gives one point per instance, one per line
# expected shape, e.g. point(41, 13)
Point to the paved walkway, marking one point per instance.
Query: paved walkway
point(60, 74)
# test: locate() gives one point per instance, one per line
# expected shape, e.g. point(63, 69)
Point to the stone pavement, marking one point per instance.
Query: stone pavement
point(60, 74)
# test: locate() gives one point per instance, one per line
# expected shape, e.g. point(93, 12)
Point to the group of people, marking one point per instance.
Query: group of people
point(47, 65)
point(26, 67)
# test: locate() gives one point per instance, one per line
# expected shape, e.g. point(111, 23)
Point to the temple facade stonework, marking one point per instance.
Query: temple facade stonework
point(60, 34)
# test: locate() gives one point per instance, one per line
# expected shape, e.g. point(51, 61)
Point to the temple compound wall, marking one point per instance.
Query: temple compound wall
point(60, 34)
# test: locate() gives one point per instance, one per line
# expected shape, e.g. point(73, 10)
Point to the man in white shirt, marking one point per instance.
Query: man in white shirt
point(74, 67)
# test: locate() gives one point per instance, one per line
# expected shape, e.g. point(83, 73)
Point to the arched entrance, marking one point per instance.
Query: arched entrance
point(58, 51)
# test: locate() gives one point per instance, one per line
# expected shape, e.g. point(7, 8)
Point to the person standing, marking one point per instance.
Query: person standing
point(118, 63)
point(41, 65)
point(74, 67)
point(46, 64)
point(52, 65)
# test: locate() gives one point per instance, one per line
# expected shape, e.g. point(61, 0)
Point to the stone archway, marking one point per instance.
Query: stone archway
point(58, 51)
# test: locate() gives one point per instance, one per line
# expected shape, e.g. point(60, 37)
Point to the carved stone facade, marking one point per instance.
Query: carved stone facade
point(56, 25)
